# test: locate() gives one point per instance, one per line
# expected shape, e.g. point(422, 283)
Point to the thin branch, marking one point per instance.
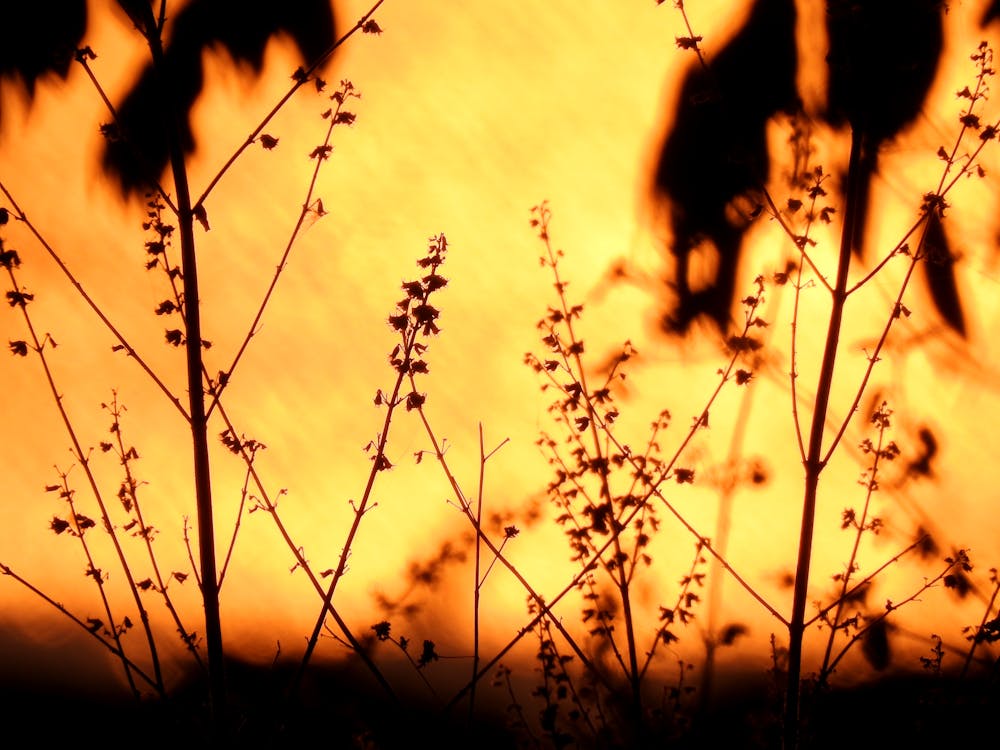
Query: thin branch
point(346, 91)
point(125, 345)
point(300, 79)
point(132, 666)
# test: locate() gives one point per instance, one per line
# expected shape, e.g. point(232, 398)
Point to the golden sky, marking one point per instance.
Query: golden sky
point(470, 114)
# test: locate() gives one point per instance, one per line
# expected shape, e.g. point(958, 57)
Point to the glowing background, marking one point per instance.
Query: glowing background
point(469, 115)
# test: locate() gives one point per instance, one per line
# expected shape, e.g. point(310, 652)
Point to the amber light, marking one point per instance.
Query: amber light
point(464, 122)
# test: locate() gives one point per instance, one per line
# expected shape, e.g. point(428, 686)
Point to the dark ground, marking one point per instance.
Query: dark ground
point(338, 710)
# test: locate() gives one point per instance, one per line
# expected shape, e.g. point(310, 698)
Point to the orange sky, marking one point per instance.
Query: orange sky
point(468, 117)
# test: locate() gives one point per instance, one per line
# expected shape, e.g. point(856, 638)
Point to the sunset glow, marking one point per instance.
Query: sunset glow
point(467, 116)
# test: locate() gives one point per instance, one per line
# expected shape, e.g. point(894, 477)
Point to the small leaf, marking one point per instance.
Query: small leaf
point(688, 42)
point(684, 476)
point(268, 141)
point(427, 655)
point(970, 120)
point(321, 152)
point(9, 258)
point(19, 299)
point(202, 216)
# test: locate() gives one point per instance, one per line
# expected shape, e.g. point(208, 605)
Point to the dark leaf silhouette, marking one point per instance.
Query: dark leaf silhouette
point(922, 465)
point(19, 299)
point(427, 654)
point(201, 215)
point(883, 57)
point(240, 27)
point(939, 270)
point(875, 645)
point(991, 14)
point(882, 61)
point(716, 154)
point(9, 258)
point(38, 39)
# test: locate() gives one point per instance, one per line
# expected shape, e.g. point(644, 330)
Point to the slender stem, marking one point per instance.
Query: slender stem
point(873, 356)
point(977, 634)
point(362, 508)
point(38, 345)
point(196, 393)
point(543, 607)
point(797, 239)
point(891, 607)
point(150, 174)
point(95, 573)
point(667, 471)
point(860, 525)
point(116, 650)
point(124, 344)
point(225, 378)
point(131, 487)
point(866, 581)
point(476, 573)
point(300, 80)
point(271, 508)
point(814, 463)
point(402, 358)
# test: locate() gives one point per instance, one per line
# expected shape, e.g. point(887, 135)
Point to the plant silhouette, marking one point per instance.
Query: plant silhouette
point(882, 60)
point(243, 30)
point(716, 153)
point(37, 39)
point(607, 639)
